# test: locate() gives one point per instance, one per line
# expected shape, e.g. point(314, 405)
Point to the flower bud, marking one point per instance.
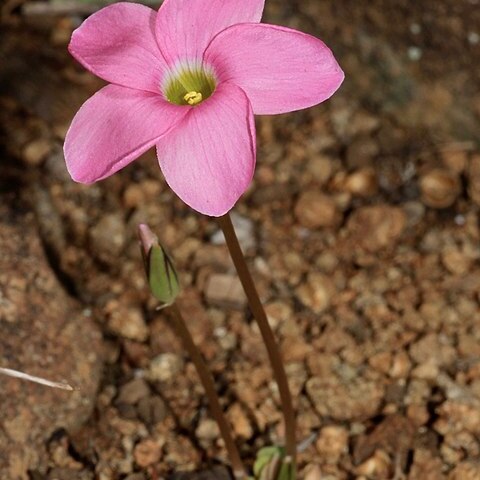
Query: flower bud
point(161, 274)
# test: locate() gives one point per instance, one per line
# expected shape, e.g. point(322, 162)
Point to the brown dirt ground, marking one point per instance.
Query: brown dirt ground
point(362, 231)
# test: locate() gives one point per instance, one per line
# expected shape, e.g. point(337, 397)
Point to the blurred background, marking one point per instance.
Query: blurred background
point(361, 229)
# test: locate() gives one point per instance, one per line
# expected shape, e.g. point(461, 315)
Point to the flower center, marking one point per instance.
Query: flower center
point(189, 85)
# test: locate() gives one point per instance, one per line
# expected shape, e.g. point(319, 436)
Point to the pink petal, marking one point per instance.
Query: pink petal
point(209, 159)
point(185, 27)
point(280, 69)
point(118, 44)
point(113, 128)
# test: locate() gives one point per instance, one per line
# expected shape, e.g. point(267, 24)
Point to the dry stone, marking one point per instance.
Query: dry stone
point(376, 227)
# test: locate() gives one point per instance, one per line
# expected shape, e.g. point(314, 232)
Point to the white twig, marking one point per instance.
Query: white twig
point(31, 378)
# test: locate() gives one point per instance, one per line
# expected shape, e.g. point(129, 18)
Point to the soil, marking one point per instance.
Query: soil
point(43, 333)
point(361, 228)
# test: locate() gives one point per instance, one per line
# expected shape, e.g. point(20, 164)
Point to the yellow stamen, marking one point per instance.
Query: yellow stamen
point(193, 98)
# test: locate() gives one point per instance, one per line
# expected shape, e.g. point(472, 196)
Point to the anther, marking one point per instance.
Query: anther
point(193, 98)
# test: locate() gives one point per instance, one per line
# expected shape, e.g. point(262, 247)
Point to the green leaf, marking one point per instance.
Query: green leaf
point(264, 456)
point(270, 464)
point(287, 471)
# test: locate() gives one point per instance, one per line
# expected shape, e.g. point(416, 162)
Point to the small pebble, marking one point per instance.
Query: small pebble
point(320, 168)
point(468, 470)
point(165, 367)
point(36, 151)
point(108, 237)
point(332, 443)
point(317, 292)
point(455, 261)
point(313, 472)
point(362, 183)
point(147, 452)
point(136, 476)
point(240, 421)
point(151, 410)
point(133, 391)
point(207, 430)
point(316, 210)
point(376, 227)
point(473, 38)
point(225, 290)
point(439, 188)
point(377, 466)
point(128, 322)
point(415, 54)
point(473, 176)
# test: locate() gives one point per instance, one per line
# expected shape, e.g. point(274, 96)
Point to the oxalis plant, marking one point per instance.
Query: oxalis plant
point(188, 80)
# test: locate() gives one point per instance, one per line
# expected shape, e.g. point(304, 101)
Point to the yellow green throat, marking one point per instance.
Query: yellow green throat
point(190, 86)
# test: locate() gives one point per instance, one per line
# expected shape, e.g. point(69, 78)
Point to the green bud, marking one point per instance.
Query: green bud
point(161, 274)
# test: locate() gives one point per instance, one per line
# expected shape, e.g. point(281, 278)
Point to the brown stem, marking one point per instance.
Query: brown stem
point(209, 387)
point(256, 307)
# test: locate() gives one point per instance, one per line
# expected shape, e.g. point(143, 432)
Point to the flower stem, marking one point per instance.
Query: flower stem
point(260, 316)
point(209, 386)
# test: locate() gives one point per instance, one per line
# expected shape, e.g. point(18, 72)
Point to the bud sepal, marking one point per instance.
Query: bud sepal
point(161, 273)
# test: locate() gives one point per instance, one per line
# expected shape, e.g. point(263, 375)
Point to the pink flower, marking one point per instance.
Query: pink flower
point(189, 79)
